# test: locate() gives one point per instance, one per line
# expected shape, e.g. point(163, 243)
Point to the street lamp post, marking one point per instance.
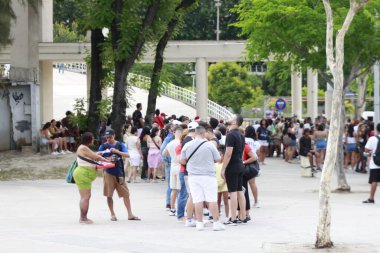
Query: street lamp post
point(217, 5)
point(376, 94)
point(192, 74)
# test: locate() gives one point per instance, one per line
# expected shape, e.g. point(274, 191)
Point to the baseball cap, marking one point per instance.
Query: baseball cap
point(176, 122)
point(163, 114)
point(109, 133)
point(192, 125)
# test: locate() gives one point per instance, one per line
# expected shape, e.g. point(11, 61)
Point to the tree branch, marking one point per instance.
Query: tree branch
point(329, 35)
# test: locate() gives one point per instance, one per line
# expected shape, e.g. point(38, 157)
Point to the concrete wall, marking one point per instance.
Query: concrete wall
point(5, 126)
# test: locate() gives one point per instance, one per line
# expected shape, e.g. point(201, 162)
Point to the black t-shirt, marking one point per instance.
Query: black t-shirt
point(236, 140)
point(305, 145)
point(263, 133)
point(136, 116)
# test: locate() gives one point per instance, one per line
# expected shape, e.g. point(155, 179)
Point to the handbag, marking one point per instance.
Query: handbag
point(251, 170)
point(287, 140)
point(70, 172)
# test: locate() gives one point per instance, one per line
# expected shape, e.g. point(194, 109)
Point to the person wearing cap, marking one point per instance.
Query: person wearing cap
point(114, 178)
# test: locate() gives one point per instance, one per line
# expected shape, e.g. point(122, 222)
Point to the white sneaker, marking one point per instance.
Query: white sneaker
point(199, 225)
point(68, 152)
point(218, 226)
point(190, 223)
point(55, 153)
point(172, 212)
point(256, 205)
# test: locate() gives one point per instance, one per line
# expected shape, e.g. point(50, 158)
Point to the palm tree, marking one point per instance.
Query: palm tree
point(7, 15)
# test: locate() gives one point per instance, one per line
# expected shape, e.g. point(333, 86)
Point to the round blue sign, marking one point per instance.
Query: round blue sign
point(280, 104)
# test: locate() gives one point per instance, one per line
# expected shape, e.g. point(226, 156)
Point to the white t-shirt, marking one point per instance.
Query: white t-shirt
point(372, 145)
point(175, 165)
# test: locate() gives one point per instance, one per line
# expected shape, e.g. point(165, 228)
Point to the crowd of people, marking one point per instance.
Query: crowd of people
point(207, 162)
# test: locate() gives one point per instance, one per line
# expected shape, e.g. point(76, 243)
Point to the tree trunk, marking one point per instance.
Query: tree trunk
point(159, 60)
point(96, 77)
point(341, 174)
point(335, 65)
point(123, 66)
point(362, 83)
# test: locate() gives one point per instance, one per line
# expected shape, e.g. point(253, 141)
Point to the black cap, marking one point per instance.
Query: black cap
point(109, 133)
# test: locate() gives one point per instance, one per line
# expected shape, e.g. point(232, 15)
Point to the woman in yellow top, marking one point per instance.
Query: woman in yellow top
point(85, 174)
point(222, 185)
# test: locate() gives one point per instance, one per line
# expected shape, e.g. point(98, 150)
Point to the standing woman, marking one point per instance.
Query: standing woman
point(144, 150)
point(250, 140)
point(262, 136)
point(350, 143)
point(135, 155)
point(154, 155)
point(85, 174)
point(126, 135)
point(320, 138)
point(293, 142)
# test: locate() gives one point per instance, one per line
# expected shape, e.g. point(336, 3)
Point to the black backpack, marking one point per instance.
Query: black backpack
point(376, 155)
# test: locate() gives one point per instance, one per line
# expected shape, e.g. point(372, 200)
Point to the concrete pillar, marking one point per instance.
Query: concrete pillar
point(296, 79)
point(312, 93)
point(46, 91)
point(46, 21)
point(88, 83)
point(201, 69)
point(376, 99)
point(328, 101)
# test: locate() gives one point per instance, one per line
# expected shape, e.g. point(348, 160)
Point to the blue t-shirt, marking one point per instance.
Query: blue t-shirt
point(118, 170)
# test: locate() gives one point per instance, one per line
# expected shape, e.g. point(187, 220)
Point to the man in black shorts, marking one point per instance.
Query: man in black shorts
point(233, 167)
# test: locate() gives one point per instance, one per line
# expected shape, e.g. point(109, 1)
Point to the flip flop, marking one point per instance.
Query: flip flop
point(113, 218)
point(134, 218)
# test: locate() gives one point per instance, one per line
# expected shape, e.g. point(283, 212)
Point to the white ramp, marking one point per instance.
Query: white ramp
point(70, 86)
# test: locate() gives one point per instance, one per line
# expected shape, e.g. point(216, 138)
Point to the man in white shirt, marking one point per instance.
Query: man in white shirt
point(374, 169)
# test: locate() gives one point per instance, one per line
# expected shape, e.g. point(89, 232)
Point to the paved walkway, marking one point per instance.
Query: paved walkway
point(42, 216)
point(64, 98)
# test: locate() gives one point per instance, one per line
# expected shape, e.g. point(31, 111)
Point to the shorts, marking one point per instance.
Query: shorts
point(263, 143)
point(293, 143)
point(351, 147)
point(111, 184)
point(134, 160)
point(234, 181)
point(70, 139)
point(374, 176)
point(203, 188)
point(175, 183)
point(320, 145)
point(84, 177)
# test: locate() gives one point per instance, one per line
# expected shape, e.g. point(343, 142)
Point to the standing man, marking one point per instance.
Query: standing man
point(114, 178)
point(138, 120)
point(167, 161)
point(71, 132)
point(372, 147)
point(200, 157)
point(233, 168)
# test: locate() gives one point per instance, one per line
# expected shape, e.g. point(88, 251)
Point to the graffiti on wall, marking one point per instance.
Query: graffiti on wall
point(23, 125)
point(17, 96)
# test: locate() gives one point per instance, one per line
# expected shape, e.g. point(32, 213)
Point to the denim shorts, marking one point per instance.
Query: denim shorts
point(351, 147)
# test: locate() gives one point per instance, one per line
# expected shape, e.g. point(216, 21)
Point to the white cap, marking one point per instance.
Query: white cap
point(176, 122)
point(192, 125)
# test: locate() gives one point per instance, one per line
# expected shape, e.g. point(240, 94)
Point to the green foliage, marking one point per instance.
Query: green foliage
point(200, 24)
point(67, 12)
point(64, 33)
point(294, 31)
point(80, 115)
point(277, 79)
point(103, 108)
point(171, 72)
point(231, 85)
point(321, 93)
point(349, 107)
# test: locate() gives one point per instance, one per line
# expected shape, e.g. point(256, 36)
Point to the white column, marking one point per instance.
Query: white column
point(201, 69)
point(296, 78)
point(328, 101)
point(376, 98)
point(46, 91)
point(312, 93)
point(88, 87)
point(46, 21)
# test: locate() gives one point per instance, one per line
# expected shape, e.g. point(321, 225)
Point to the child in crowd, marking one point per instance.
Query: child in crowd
point(222, 185)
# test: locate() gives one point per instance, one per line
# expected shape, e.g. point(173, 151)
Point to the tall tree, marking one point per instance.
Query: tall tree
point(290, 30)
point(178, 13)
point(335, 61)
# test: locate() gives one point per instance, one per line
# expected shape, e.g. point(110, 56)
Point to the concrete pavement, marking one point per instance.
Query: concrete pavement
point(42, 216)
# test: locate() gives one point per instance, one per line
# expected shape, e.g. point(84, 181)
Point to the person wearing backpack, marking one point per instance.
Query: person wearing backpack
point(373, 148)
point(114, 178)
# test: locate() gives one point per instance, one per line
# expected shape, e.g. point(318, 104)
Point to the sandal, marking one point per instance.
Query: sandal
point(134, 218)
point(88, 221)
point(113, 218)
